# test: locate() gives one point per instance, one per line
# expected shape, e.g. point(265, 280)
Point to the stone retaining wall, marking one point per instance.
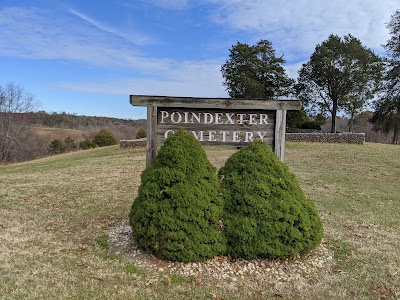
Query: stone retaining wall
point(132, 143)
point(349, 138)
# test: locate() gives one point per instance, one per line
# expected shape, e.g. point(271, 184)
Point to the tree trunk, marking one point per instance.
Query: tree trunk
point(334, 111)
point(351, 122)
point(396, 134)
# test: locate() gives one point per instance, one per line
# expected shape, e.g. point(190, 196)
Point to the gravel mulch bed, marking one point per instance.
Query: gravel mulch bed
point(296, 273)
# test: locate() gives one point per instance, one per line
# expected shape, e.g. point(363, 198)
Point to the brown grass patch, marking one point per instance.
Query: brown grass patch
point(54, 211)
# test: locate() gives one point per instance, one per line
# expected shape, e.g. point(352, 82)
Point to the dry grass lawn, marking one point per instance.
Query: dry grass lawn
point(59, 133)
point(55, 212)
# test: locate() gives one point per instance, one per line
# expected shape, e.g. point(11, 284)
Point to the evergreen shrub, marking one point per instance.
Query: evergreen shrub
point(141, 133)
point(87, 144)
point(311, 125)
point(266, 213)
point(296, 118)
point(70, 144)
point(178, 208)
point(56, 147)
point(104, 138)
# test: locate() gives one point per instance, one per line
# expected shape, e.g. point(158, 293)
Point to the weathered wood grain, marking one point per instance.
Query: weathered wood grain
point(216, 121)
point(215, 117)
point(207, 127)
point(151, 147)
point(268, 141)
point(217, 126)
point(232, 104)
point(280, 129)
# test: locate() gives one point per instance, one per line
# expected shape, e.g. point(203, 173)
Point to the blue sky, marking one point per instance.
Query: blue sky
point(88, 56)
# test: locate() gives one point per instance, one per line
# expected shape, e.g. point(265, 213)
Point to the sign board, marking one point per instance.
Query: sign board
point(216, 121)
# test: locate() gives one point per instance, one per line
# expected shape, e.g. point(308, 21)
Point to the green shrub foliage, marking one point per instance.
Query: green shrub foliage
point(70, 144)
point(57, 147)
point(87, 144)
point(104, 138)
point(176, 214)
point(141, 133)
point(311, 125)
point(266, 213)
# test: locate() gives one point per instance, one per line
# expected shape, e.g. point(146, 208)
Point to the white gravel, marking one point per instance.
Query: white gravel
point(237, 273)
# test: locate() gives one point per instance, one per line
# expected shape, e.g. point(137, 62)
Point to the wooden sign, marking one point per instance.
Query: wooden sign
point(216, 121)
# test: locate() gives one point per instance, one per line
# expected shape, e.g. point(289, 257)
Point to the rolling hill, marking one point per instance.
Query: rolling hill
point(56, 214)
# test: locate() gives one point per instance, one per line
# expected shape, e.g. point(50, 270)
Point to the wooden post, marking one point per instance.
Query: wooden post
point(280, 129)
point(151, 148)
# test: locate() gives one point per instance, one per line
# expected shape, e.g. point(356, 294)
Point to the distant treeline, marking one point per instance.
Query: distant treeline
point(36, 134)
point(73, 121)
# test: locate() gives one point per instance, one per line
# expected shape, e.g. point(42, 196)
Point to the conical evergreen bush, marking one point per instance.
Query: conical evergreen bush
point(266, 213)
point(177, 212)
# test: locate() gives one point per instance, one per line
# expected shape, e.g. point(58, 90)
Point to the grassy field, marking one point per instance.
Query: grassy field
point(55, 212)
point(52, 133)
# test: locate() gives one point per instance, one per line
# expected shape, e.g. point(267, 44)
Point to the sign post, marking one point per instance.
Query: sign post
point(216, 121)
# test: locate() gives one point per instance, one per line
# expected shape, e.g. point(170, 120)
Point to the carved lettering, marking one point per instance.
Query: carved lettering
point(241, 118)
point(235, 136)
point(208, 118)
point(199, 136)
point(224, 134)
point(168, 132)
point(252, 119)
point(229, 118)
point(248, 137)
point(211, 136)
point(174, 120)
point(219, 126)
point(196, 116)
point(186, 113)
point(262, 135)
point(164, 115)
point(218, 117)
point(263, 119)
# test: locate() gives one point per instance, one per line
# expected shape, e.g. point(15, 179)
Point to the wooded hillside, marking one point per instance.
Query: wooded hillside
point(41, 128)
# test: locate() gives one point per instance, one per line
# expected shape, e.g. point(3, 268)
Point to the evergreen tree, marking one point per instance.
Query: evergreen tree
point(177, 212)
point(296, 118)
point(255, 72)
point(266, 213)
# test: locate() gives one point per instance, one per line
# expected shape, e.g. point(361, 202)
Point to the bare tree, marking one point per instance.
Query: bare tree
point(14, 130)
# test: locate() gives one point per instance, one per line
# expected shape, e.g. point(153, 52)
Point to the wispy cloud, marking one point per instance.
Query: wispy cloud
point(40, 34)
point(139, 38)
point(295, 27)
point(198, 79)
point(28, 33)
point(169, 4)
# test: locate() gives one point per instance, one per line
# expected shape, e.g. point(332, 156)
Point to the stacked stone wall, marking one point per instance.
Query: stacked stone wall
point(349, 138)
point(132, 143)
